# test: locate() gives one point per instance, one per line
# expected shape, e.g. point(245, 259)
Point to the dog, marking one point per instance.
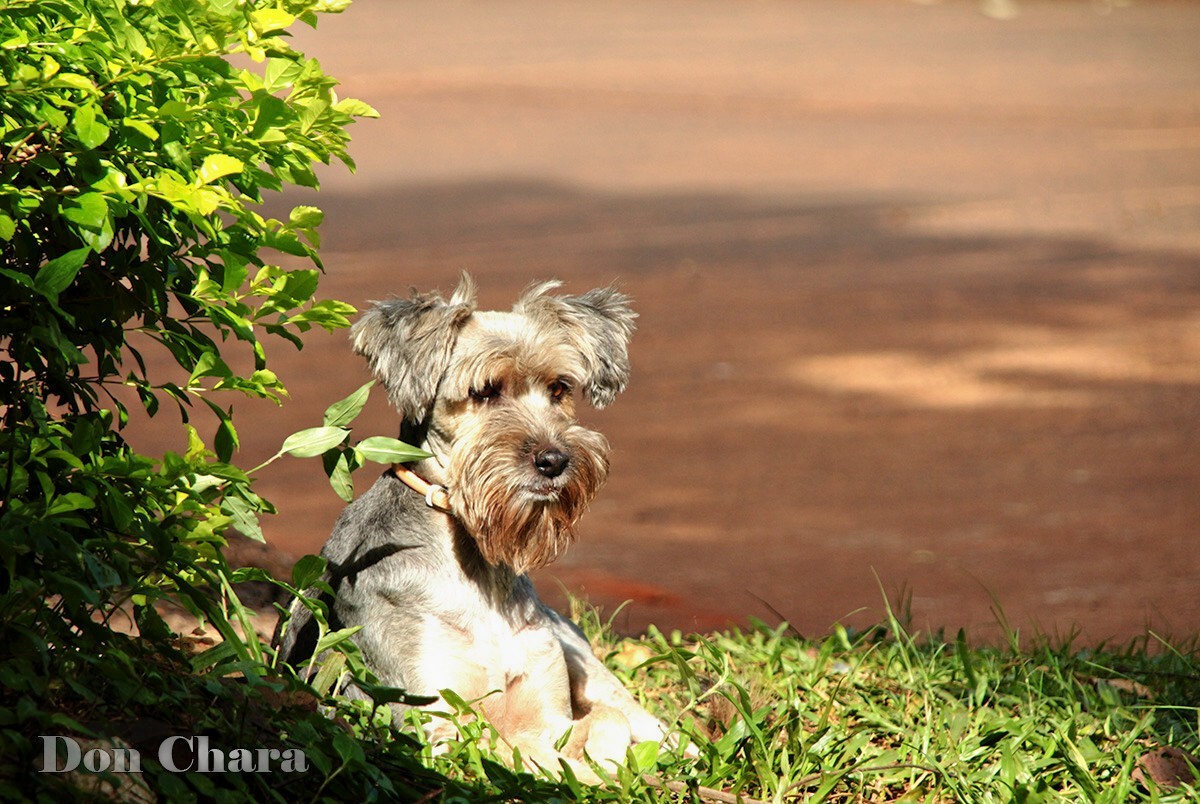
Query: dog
point(433, 560)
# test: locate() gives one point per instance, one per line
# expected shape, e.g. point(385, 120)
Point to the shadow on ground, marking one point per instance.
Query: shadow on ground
point(831, 402)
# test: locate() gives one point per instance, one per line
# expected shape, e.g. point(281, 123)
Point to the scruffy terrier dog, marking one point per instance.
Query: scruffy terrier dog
point(432, 560)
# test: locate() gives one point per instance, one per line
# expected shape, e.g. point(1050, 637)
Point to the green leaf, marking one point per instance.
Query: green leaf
point(304, 217)
point(250, 574)
point(89, 209)
point(644, 756)
point(91, 126)
point(74, 81)
point(225, 440)
point(102, 573)
point(341, 413)
point(196, 451)
point(348, 748)
point(328, 314)
point(299, 286)
point(341, 476)
point(332, 6)
point(174, 108)
point(213, 656)
point(273, 115)
point(55, 276)
point(280, 73)
point(382, 449)
point(142, 127)
point(99, 239)
point(72, 501)
point(356, 108)
point(236, 271)
point(271, 19)
point(209, 364)
point(306, 571)
point(8, 227)
point(245, 519)
point(52, 116)
point(113, 182)
point(50, 68)
point(225, 8)
point(333, 667)
point(215, 166)
point(335, 638)
point(313, 441)
point(287, 243)
point(456, 701)
point(311, 111)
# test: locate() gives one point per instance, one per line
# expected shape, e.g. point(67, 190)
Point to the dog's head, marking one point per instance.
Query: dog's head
point(491, 395)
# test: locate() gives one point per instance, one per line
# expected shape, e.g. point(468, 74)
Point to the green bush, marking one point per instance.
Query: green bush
point(134, 155)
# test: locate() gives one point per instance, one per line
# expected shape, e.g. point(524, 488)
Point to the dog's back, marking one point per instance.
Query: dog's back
point(376, 542)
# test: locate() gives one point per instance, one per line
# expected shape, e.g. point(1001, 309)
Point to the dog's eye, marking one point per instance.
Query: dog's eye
point(487, 391)
point(559, 389)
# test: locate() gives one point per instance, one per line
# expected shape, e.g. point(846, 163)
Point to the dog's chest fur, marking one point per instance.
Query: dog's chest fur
point(486, 633)
point(469, 626)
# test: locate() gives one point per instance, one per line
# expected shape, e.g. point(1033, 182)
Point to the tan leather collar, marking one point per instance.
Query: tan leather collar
point(435, 496)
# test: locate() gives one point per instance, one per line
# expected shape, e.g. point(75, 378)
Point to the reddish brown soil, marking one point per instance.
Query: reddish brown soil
point(919, 292)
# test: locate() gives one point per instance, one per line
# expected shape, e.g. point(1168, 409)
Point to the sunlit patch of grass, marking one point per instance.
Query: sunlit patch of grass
point(888, 715)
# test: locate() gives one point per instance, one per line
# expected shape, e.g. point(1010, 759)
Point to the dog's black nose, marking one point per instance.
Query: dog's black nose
point(550, 462)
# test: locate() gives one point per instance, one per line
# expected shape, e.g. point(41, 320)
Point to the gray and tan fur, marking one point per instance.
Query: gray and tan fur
point(444, 598)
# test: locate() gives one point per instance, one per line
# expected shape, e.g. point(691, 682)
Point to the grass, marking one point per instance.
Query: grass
point(887, 715)
point(881, 715)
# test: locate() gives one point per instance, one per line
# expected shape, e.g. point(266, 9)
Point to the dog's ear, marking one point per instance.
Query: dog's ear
point(408, 343)
point(599, 324)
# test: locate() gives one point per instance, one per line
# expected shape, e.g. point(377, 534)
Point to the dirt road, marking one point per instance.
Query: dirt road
point(919, 291)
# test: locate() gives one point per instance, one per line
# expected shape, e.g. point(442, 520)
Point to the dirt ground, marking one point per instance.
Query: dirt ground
point(919, 292)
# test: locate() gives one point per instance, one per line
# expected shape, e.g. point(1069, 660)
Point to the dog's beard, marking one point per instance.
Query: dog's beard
point(516, 516)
